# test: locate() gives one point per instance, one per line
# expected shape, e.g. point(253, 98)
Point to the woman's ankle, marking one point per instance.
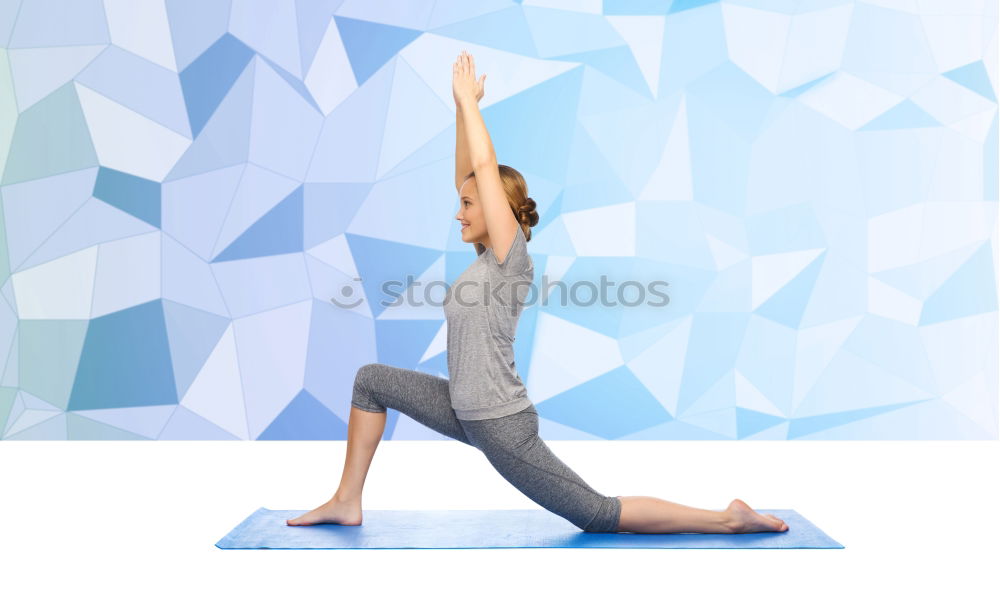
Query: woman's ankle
point(345, 497)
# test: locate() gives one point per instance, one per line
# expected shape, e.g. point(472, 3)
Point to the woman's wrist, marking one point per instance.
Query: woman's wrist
point(466, 102)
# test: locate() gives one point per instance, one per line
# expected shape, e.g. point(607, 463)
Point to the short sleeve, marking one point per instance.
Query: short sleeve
point(517, 261)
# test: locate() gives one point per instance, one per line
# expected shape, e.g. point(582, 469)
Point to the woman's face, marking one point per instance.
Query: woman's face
point(470, 214)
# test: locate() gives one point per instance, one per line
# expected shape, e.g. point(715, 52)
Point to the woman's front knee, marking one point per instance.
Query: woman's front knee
point(607, 518)
point(366, 375)
point(363, 392)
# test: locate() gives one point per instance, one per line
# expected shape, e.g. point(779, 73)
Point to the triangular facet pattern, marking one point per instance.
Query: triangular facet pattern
point(757, 220)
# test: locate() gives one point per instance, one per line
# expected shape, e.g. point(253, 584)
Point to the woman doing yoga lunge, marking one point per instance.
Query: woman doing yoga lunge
point(484, 402)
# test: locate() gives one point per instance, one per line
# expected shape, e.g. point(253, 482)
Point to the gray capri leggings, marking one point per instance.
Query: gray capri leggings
point(511, 443)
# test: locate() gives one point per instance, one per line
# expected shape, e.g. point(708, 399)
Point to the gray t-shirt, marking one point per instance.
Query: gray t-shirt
point(482, 308)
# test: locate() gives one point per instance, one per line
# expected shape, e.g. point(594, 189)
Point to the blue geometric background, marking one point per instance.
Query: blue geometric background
point(185, 186)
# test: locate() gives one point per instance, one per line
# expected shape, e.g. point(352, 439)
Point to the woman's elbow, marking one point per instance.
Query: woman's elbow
point(489, 161)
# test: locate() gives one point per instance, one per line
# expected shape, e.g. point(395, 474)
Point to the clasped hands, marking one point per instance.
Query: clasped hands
point(464, 85)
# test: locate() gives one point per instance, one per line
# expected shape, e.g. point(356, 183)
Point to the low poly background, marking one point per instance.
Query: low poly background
point(186, 185)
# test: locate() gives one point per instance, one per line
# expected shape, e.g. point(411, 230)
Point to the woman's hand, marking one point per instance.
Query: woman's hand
point(463, 80)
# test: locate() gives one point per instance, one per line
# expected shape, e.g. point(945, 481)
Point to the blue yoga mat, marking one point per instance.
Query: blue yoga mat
point(534, 528)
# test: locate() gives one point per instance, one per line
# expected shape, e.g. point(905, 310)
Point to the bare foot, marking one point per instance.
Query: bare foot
point(341, 512)
point(746, 520)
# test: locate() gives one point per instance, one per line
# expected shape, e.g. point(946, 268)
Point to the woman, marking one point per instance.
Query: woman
point(484, 402)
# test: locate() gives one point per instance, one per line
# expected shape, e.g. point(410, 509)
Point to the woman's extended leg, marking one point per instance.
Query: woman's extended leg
point(513, 447)
point(421, 396)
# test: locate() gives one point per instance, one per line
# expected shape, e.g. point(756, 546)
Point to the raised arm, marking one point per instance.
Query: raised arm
point(500, 222)
point(463, 161)
point(463, 164)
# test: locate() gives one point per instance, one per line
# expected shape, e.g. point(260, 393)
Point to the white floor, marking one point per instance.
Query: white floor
point(127, 516)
